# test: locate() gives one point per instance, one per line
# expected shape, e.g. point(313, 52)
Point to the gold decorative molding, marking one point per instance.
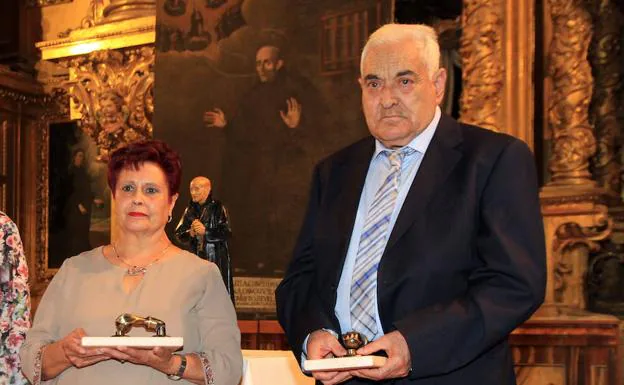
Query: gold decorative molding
point(606, 60)
point(573, 225)
point(42, 273)
point(482, 62)
point(44, 3)
point(572, 84)
point(111, 93)
point(121, 34)
point(128, 9)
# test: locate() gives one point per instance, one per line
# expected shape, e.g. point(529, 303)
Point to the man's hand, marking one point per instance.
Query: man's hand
point(215, 118)
point(322, 344)
point(78, 355)
point(82, 209)
point(198, 228)
point(399, 361)
point(292, 117)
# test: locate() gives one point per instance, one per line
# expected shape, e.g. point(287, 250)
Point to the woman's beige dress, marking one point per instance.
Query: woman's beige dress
point(183, 290)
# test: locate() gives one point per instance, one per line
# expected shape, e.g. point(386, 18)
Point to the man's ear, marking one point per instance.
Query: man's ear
point(362, 82)
point(279, 64)
point(439, 82)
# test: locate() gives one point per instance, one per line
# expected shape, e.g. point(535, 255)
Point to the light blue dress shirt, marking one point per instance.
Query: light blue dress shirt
point(377, 172)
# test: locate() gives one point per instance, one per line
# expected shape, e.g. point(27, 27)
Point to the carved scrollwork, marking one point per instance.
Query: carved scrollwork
point(606, 60)
point(571, 246)
point(113, 91)
point(482, 62)
point(574, 141)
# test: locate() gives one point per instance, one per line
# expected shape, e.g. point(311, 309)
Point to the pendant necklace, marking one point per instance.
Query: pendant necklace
point(134, 270)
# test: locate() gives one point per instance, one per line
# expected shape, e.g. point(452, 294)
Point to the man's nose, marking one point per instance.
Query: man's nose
point(387, 98)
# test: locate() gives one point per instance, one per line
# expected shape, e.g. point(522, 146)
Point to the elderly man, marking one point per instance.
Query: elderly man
point(426, 237)
point(205, 229)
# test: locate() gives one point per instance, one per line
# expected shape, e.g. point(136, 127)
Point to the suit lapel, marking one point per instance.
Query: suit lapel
point(351, 177)
point(440, 159)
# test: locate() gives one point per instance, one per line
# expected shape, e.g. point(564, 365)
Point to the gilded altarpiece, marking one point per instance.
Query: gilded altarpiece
point(103, 81)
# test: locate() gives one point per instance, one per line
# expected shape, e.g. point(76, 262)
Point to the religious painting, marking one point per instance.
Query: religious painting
point(254, 93)
point(79, 197)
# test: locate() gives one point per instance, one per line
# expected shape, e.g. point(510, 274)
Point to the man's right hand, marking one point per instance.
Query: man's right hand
point(215, 118)
point(322, 344)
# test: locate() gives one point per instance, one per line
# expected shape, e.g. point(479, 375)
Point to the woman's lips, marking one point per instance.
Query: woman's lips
point(136, 214)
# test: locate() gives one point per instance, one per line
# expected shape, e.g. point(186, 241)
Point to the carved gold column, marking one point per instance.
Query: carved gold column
point(497, 50)
point(606, 59)
point(575, 209)
point(482, 62)
point(573, 140)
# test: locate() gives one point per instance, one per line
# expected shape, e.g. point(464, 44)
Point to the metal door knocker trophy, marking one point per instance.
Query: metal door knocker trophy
point(124, 323)
point(127, 321)
point(352, 341)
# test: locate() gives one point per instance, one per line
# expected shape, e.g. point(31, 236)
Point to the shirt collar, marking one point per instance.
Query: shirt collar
point(421, 142)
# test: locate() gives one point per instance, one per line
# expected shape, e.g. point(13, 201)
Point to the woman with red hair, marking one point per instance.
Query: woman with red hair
point(140, 273)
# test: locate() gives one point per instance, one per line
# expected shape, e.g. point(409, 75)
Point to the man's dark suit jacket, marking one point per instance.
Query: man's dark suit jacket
point(464, 264)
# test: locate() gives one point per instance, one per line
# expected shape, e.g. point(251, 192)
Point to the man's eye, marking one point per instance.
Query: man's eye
point(373, 84)
point(405, 81)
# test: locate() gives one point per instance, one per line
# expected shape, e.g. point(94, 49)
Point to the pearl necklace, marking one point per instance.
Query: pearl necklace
point(134, 270)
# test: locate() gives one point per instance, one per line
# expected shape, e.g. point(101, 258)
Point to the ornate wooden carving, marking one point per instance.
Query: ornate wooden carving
point(112, 91)
point(43, 3)
point(573, 223)
point(572, 245)
point(573, 140)
point(482, 62)
point(606, 59)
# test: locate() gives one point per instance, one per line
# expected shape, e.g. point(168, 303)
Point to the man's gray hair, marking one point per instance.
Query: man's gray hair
point(422, 35)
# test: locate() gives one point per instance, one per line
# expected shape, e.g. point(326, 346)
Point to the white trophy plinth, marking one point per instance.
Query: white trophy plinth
point(344, 363)
point(133, 342)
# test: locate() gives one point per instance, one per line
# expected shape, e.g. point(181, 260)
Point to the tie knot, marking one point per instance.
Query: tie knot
point(396, 157)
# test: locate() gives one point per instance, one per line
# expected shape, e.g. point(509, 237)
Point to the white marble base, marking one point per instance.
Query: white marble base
point(344, 363)
point(134, 342)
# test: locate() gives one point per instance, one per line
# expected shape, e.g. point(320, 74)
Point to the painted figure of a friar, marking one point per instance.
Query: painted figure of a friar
point(204, 229)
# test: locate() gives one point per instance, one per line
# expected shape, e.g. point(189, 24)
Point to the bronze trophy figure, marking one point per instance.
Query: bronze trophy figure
point(127, 321)
point(352, 341)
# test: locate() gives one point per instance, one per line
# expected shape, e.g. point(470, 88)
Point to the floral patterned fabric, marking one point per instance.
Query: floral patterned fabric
point(14, 302)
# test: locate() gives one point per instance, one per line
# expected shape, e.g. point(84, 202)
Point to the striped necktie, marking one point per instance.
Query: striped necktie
point(371, 246)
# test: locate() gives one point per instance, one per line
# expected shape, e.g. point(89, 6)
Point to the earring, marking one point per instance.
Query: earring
point(169, 219)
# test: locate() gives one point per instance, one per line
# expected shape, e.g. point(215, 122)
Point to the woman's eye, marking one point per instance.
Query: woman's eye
point(151, 190)
point(127, 188)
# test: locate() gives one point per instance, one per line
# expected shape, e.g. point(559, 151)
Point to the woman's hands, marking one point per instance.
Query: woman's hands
point(76, 354)
point(69, 351)
point(159, 358)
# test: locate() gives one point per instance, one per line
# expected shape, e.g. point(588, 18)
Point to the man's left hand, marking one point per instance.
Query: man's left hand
point(399, 360)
